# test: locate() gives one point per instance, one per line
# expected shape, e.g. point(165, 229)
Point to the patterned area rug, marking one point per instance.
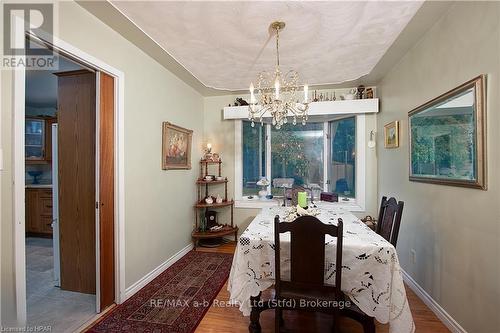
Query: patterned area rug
point(175, 301)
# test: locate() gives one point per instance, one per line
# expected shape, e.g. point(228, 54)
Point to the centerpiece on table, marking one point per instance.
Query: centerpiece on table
point(296, 211)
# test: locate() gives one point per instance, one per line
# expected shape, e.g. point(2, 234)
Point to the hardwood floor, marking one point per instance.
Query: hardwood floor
point(230, 319)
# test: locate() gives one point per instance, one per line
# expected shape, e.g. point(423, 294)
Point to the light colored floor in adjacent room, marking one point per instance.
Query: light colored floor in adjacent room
point(48, 305)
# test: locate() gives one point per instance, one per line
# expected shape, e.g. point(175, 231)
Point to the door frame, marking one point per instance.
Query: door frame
point(19, 167)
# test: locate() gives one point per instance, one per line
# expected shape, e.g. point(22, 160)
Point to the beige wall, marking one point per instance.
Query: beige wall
point(220, 133)
point(454, 231)
point(8, 304)
point(158, 204)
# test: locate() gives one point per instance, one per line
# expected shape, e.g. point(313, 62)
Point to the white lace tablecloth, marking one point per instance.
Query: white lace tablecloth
point(371, 275)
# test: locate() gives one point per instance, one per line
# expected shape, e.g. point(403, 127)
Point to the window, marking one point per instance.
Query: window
point(254, 156)
point(318, 154)
point(343, 157)
point(297, 152)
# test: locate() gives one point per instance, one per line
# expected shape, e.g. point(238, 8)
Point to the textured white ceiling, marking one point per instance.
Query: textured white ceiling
point(225, 44)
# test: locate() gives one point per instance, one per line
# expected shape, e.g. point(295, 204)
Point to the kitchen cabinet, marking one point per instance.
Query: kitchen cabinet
point(39, 211)
point(38, 139)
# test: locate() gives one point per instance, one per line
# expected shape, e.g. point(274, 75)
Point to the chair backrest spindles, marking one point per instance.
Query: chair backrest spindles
point(389, 219)
point(307, 250)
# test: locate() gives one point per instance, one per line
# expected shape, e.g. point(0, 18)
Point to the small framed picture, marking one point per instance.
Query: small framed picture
point(176, 147)
point(391, 135)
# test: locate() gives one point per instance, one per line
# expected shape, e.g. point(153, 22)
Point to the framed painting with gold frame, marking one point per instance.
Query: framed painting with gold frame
point(391, 135)
point(176, 147)
point(447, 138)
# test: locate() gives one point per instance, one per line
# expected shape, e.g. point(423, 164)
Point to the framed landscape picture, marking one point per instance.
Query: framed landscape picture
point(176, 147)
point(448, 138)
point(391, 135)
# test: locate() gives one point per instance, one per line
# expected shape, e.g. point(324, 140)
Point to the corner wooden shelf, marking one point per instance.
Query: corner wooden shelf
point(214, 205)
point(210, 162)
point(215, 234)
point(197, 233)
point(205, 182)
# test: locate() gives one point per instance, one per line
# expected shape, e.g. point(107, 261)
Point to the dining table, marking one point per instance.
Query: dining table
point(371, 274)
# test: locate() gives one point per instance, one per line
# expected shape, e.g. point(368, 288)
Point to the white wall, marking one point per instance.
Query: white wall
point(454, 231)
point(158, 204)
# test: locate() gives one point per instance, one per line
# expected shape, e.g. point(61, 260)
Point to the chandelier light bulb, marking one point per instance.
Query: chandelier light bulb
point(252, 96)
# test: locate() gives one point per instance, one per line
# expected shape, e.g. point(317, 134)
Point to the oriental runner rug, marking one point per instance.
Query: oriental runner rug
point(175, 301)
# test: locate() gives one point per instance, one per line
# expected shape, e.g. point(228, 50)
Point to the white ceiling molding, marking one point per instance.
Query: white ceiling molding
point(225, 44)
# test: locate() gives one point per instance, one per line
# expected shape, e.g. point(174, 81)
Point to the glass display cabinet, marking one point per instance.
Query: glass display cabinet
point(35, 139)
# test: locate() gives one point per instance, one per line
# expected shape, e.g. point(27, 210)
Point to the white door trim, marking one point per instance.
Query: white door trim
point(18, 164)
point(19, 170)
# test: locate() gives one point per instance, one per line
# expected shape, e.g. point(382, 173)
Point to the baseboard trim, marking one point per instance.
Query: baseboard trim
point(447, 320)
point(130, 291)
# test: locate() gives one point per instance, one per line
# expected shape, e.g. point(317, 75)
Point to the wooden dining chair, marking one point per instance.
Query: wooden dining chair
point(389, 219)
point(307, 265)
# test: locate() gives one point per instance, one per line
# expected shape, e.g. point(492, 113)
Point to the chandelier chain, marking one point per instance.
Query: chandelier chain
point(277, 47)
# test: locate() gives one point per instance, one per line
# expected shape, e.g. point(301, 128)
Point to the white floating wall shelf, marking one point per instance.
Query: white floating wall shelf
point(328, 108)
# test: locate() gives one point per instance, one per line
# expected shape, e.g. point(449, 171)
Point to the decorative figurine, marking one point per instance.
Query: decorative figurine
point(240, 102)
point(334, 98)
point(350, 95)
point(315, 96)
point(218, 199)
point(209, 200)
point(361, 88)
point(369, 93)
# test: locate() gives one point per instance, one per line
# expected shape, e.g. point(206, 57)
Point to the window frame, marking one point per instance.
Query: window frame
point(356, 204)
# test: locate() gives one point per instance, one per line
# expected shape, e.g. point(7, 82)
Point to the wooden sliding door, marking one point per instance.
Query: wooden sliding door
point(77, 181)
point(106, 190)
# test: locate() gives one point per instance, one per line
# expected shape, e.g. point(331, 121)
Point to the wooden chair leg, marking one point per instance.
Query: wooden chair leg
point(336, 324)
point(369, 325)
point(278, 319)
point(254, 326)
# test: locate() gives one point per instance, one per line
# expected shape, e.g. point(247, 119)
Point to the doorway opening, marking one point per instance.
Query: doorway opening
point(68, 158)
point(61, 302)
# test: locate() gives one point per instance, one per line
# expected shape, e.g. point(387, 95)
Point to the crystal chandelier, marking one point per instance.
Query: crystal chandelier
point(276, 93)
